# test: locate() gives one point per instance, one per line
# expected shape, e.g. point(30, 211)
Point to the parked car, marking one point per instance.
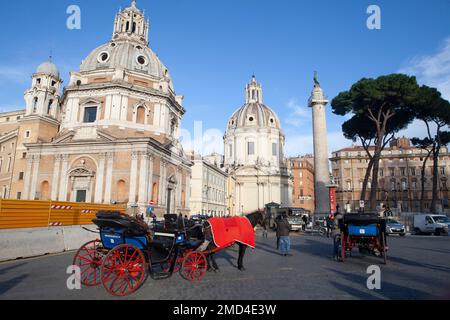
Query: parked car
point(436, 224)
point(395, 227)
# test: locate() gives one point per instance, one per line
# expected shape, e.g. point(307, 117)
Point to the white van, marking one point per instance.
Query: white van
point(431, 224)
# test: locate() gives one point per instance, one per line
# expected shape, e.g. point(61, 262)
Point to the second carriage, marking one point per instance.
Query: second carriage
point(367, 232)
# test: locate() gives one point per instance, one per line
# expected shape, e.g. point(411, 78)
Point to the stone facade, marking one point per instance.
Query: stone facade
point(112, 136)
point(208, 187)
point(303, 191)
point(399, 177)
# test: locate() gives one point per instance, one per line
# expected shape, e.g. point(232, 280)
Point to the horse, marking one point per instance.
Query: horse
point(255, 218)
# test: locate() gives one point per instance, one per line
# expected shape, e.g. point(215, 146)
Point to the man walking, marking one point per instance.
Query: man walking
point(283, 230)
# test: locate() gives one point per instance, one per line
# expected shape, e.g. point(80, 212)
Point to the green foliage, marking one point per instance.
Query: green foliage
point(372, 101)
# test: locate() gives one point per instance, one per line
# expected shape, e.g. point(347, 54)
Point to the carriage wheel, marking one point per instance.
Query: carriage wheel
point(343, 247)
point(383, 243)
point(194, 266)
point(89, 259)
point(123, 270)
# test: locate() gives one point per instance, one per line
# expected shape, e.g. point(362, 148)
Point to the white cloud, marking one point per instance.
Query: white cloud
point(432, 70)
point(15, 74)
point(299, 114)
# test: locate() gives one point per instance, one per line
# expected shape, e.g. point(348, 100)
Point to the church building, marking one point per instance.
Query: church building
point(254, 155)
point(112, 136)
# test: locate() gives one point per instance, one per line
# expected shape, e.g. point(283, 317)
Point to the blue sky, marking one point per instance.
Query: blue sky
point(213, 47)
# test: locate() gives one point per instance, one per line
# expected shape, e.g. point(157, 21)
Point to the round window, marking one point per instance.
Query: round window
point(141, 60)
point(113, 44)
point(103, 57)
point(272, 121)
point(251, 119)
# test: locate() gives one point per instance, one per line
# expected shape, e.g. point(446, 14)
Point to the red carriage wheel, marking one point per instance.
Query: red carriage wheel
point(194, 266)
point(89, 259)
point(123, 270)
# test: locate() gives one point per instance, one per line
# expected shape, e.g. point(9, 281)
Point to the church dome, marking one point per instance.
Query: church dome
point(254, 113)
point(128, 49)
point(48, 68)
point(125, 55)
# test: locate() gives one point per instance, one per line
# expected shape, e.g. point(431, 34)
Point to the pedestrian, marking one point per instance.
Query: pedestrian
point(277, 219)
point(305, 222)
point(283, 229)
point(264, 232)
point(329, 223)
point(336, 233)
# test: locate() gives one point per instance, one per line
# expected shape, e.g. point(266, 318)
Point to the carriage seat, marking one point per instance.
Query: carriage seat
point(118, 221)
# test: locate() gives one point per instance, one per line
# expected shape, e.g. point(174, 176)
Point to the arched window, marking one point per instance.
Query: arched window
point(155, 192)
point(45, 190)
point(140, 115)
point(134, 27)
point(128, 26)
point(121, 191)
point(49, 108)
point(35, 102)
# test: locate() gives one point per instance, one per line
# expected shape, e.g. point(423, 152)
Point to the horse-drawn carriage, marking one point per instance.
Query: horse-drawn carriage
point(367, 232)
point(127, 252)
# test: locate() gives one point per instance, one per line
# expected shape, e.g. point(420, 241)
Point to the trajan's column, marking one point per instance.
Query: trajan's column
point(321, 166)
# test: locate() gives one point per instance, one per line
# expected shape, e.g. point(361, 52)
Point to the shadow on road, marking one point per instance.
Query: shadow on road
point(7, 285)
point(388, 290)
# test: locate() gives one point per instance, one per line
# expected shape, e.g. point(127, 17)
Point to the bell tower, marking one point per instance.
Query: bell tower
point(130, 24)
point(254, 93)
point(44, 95)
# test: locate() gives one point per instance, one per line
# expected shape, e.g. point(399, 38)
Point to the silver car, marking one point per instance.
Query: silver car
point(395, 227)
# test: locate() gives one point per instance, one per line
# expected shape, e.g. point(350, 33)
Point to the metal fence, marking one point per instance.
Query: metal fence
point(16, 214)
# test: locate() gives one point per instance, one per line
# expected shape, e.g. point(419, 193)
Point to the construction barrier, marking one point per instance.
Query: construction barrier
point(19, 214)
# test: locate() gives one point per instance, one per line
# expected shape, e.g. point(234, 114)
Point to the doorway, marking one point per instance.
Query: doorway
point(81, 196)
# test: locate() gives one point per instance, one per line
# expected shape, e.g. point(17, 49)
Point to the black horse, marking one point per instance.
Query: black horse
point(256, 218)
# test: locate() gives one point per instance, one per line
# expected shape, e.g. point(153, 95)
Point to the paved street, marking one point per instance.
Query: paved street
point(418, 268)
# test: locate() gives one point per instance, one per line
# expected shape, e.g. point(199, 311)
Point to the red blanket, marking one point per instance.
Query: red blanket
point(227, 231)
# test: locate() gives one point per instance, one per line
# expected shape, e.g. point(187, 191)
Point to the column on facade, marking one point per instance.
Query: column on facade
point(150, 178)
point(163, 183)
point(99, 178)
point(108, 180)
point(133, 177)
point(179, 188)
point(27, 178)
point(188, 190)
point(64, 178)
point(56, 172)
point(143, 179)
point(34, 176)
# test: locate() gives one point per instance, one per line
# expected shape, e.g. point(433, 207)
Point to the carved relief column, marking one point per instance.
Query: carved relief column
point(27, 182)
point(34, 177)
point(163, 182)
point(99, 178)
point(108, 180)
point(64, 178)
point(56, 172)
point(143, 179)
point(133, 177)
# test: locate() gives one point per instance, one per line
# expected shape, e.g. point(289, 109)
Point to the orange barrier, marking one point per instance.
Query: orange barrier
point(15, 214)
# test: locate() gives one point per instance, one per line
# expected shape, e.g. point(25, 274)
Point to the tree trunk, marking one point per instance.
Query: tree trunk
point(422, 186)
point(366, 180)
point(373, 190)
point(435, 195)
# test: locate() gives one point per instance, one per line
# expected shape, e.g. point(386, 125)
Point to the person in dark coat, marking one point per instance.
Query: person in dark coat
point(305, 222)
point(283, 230)
point(277, 219)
